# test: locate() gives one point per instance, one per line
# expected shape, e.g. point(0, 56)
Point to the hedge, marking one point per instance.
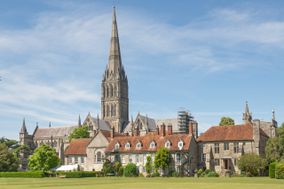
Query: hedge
point(80, 174)
point(28, 174)
point(130, 170)
point(279, 171)
point(272, 170)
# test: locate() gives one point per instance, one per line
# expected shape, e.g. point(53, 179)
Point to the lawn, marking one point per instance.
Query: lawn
point(137, 183)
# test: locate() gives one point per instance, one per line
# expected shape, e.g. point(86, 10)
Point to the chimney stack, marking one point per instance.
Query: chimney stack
point(190, 129)
point(170, 130)
point(163, 130)
point(112, 132)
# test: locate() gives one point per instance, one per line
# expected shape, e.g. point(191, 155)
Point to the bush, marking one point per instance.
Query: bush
point(29, 174)
point(212, 174)
point(279, 171)
point(251, 164)
point(130, 170)
point(155, 174)
point(272, 170)
point(80, 174)
point(108, 168)
point(120, 171)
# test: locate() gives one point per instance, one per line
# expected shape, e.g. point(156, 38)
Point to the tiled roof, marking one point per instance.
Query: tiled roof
point(227, 133)
point(78, 147)
point(55, 132)
point(146, 140)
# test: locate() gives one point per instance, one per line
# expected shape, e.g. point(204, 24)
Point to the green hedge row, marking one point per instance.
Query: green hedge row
point(28, 174)
point(80, 174)
point(272, 170)
point(279, 171)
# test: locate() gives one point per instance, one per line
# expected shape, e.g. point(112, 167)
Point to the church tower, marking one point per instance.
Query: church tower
point(114, 88)
point(247, 118)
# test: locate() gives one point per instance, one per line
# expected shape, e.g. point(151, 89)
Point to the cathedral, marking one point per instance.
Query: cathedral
point(114, 137)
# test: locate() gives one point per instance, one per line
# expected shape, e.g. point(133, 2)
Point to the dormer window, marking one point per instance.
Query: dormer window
point(180, 144)
point(153, 144)
point(138, 146)
point(116, 146)
point(168, 144)
point(127, 146)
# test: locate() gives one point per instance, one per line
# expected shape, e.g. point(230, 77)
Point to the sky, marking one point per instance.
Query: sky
point(207, 57)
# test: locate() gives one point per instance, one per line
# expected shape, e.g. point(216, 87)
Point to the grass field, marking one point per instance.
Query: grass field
point(138, 183)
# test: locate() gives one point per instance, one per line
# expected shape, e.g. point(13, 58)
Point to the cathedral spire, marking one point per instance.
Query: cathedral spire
point(24, 128)
point(114, 65)
point(247, 118)
point(79, 121)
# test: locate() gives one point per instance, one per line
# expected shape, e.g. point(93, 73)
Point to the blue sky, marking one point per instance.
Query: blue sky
point(208, 57)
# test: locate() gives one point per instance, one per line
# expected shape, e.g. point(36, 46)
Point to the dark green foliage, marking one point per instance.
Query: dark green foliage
point(43, 159)
point(155, 174)
point(226, 121)
point(117, 168)
point(251, 164)
point(8, 160)
point(279, 171)
point(11, 144)
point(162, 158)
point(272, 170)
point(80, 174)
point(212, 174)
point(148, 165)
point(275, 146)
point(130, 170)
point(108, 167)
point(80, 132)
point(29, 174)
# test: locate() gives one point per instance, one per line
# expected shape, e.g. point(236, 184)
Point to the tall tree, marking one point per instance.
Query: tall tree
point(251, 164)
point(274, 149)
point(162, 159)
point(8, 160)
point(226, 121)
point(80, 132)
point(43, 159)
point(11, 144)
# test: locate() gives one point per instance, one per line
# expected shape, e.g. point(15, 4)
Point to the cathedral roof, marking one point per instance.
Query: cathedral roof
point(78, 146)
point(55, 132)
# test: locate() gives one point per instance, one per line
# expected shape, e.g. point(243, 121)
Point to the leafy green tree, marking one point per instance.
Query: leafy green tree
point(251, 164)
point(8, 160)
point(226, 121)
point(130, 170)
point(162, 159)
point(117, 168)
point(80, 132)
point(44, 158)
point(274, 149)
point(148, 165)
point(11, 144)
point(108, 167)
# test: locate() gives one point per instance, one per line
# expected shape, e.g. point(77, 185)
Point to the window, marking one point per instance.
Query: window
point(137, 158)
point(203, 158)
point(99, 157)
point(152, 144)
point(168, 144)
point(76, 159)
point(217, 162)
point(178, 158)
point(226, 146)
point(180, 144)
point(138, 146)
point(216, 148)
point(116, 146)
point(69, 160)
point(127, 146)
point(236, 147)
point(82, 160)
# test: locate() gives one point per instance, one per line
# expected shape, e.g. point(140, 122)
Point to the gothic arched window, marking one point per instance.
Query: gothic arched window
point(99, 157)
point(111, 91)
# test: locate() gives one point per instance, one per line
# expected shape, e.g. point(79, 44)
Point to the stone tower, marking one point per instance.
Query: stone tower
point(114, 88)
point(247, 118)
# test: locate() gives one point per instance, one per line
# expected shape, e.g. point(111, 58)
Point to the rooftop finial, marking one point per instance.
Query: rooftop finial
point(49, 124)
point(79, 121)
point(273, 115)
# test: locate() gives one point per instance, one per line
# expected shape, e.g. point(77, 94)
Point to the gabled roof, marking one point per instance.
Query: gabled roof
point(78, 147)
point(148, 123)
point(55, 132)
point(228, 133)
point(147, 139)
point(97, 123)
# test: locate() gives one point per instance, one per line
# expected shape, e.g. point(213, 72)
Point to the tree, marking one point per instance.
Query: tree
point(226, 121)
point(130, 170)
point(80, 132)
point(162, 159)
point(43, 159)
point(11, 144)
point(148, 165)
point(8, 160)
point(274, 149)
point(251, 164)
point(108, 167)
point(118, 168)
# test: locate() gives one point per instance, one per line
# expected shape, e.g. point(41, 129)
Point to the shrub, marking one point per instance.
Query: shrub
point(272, 170)
point(130, 170)
point(29, 174)
point(155, 174)
point(80, 174)
point(279, 171)
point(120, 171)
point(251, 164)
point(212, 174)
point(108, 168)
